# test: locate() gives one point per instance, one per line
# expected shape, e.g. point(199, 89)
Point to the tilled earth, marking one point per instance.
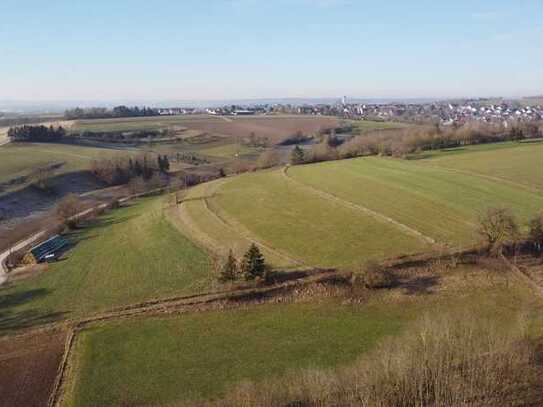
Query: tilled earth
point(28, 367)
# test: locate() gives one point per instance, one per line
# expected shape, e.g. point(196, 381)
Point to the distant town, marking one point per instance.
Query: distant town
point(444, 112)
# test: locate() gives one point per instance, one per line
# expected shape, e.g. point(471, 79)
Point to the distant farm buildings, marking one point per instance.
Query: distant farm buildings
point(45, 251)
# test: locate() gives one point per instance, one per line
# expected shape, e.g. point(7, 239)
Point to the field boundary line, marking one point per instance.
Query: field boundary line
point(239, 229)
point(250, 237)
point(513, 184)
point(376, 215)
point(170, 306)
point(68, 345)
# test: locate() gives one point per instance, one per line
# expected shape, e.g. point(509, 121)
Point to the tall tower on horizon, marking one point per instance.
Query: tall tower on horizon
point(344, 100)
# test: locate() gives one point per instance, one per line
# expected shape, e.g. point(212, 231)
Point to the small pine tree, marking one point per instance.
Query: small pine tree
point(297, 156)
point(253, 265)
point(229, 270)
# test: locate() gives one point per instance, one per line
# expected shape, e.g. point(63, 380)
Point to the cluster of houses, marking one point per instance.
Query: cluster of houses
point(449, 113)
point(446, 112)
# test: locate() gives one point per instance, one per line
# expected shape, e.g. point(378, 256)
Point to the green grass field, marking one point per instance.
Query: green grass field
point(513, 162)
point(431, 200)
point(131, 255)
point(317, 231)
point(229, 151)
point(21, 159)
point(158, 361)
point(363, 126)
point(171, 360)
point(133, 123)
point(341, 213)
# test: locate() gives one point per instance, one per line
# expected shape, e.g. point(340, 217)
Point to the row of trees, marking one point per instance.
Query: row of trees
point(104, 113)
point(36, 133)
point(402, 142)
point(120, 170)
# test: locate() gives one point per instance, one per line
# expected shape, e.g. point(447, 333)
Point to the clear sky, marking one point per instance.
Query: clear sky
point(231, 49)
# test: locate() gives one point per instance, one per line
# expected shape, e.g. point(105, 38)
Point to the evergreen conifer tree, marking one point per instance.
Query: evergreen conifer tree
point(253, 265)
point(297, 156)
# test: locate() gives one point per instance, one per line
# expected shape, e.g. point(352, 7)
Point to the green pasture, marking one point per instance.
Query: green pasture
point(434, 201)
point(171, 361)
point(517, 163)
point(21, 159)
point(130, 255)
point(318, 231)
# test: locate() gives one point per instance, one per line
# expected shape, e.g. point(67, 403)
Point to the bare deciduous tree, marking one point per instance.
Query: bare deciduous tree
point(68, 208)
point(498, 226)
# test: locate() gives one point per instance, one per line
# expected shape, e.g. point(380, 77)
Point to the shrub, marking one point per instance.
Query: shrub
point(68, 208)
point(447, 360)
point(229, 271)
point(373, 276)
point(536, 232)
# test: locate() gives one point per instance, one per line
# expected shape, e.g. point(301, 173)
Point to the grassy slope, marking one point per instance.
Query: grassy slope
point(228, 150)
point(434, 201)
point(20, 159)
point(134, 123)
point(298, 222)
point(166, 360)
point(363, 126)
point(224, 237)
point(516, 162)
point(133, 254)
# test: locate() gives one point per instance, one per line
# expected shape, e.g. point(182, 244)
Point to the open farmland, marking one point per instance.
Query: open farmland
point(276, 212)
point(515, 163)
point(130, 255)
point(19, 160)
point(341, 213)
point(28, 367)
point(174, 360)
point(275, 128)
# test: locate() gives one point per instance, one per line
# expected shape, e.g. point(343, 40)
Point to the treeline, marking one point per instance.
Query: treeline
point(120, 170)
point(105, 113)
point(404, 142)
point(121, 136)
point(36, 133)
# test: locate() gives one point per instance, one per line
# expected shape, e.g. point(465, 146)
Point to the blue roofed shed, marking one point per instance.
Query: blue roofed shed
point(46, 250)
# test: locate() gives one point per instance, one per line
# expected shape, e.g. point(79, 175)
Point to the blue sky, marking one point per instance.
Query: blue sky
point(219, 49)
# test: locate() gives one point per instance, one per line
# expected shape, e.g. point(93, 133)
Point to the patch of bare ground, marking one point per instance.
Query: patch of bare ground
point(28, 368)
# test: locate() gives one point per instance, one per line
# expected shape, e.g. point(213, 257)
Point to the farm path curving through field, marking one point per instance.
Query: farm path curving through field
point(182, 218)
point(376, 215)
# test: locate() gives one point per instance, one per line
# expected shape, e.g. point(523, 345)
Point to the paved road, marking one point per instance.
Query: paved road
point(18, 246)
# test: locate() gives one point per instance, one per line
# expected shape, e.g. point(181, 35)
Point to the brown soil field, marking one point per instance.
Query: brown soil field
point(275, 128)
point(28, 368)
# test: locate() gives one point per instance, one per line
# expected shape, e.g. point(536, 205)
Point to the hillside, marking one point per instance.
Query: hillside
point(340, 213)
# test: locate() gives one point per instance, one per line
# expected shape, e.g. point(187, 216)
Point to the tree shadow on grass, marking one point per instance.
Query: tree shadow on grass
point(13, 319)
point(422, 285)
